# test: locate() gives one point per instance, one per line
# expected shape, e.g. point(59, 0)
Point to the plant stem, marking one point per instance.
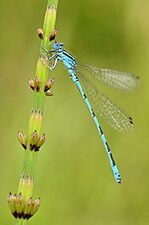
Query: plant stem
point(42, 72)
point(22, 205)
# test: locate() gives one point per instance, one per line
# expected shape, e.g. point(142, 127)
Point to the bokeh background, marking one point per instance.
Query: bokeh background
point(73, 176)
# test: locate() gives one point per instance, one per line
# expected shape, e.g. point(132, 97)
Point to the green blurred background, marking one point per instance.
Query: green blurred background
point(73, 176)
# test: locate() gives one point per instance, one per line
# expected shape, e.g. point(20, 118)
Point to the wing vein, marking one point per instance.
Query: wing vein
point(105, 108)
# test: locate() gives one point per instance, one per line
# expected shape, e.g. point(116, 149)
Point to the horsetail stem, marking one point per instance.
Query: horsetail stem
point(22, 205)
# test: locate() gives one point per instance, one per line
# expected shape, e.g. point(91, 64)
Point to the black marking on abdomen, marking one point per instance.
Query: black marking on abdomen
point(107, 147)
point(84, 96)
point(101, 132)
point(77, 79)
point(93, 114)
point(113, 162)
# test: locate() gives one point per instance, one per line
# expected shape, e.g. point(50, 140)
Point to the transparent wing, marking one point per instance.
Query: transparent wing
point(104, 107)
point(120, 80)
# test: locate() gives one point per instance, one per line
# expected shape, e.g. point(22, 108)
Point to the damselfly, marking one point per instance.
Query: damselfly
point(102, 105)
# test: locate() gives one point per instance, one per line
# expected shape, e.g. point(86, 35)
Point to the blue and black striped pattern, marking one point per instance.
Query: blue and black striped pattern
point(104, 107)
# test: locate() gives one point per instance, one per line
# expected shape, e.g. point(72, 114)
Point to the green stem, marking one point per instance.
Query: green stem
point(21, 222)
point(36, 117)
point(25, 190)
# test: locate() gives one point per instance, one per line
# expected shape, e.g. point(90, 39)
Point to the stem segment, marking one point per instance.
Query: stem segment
point(21, 205)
